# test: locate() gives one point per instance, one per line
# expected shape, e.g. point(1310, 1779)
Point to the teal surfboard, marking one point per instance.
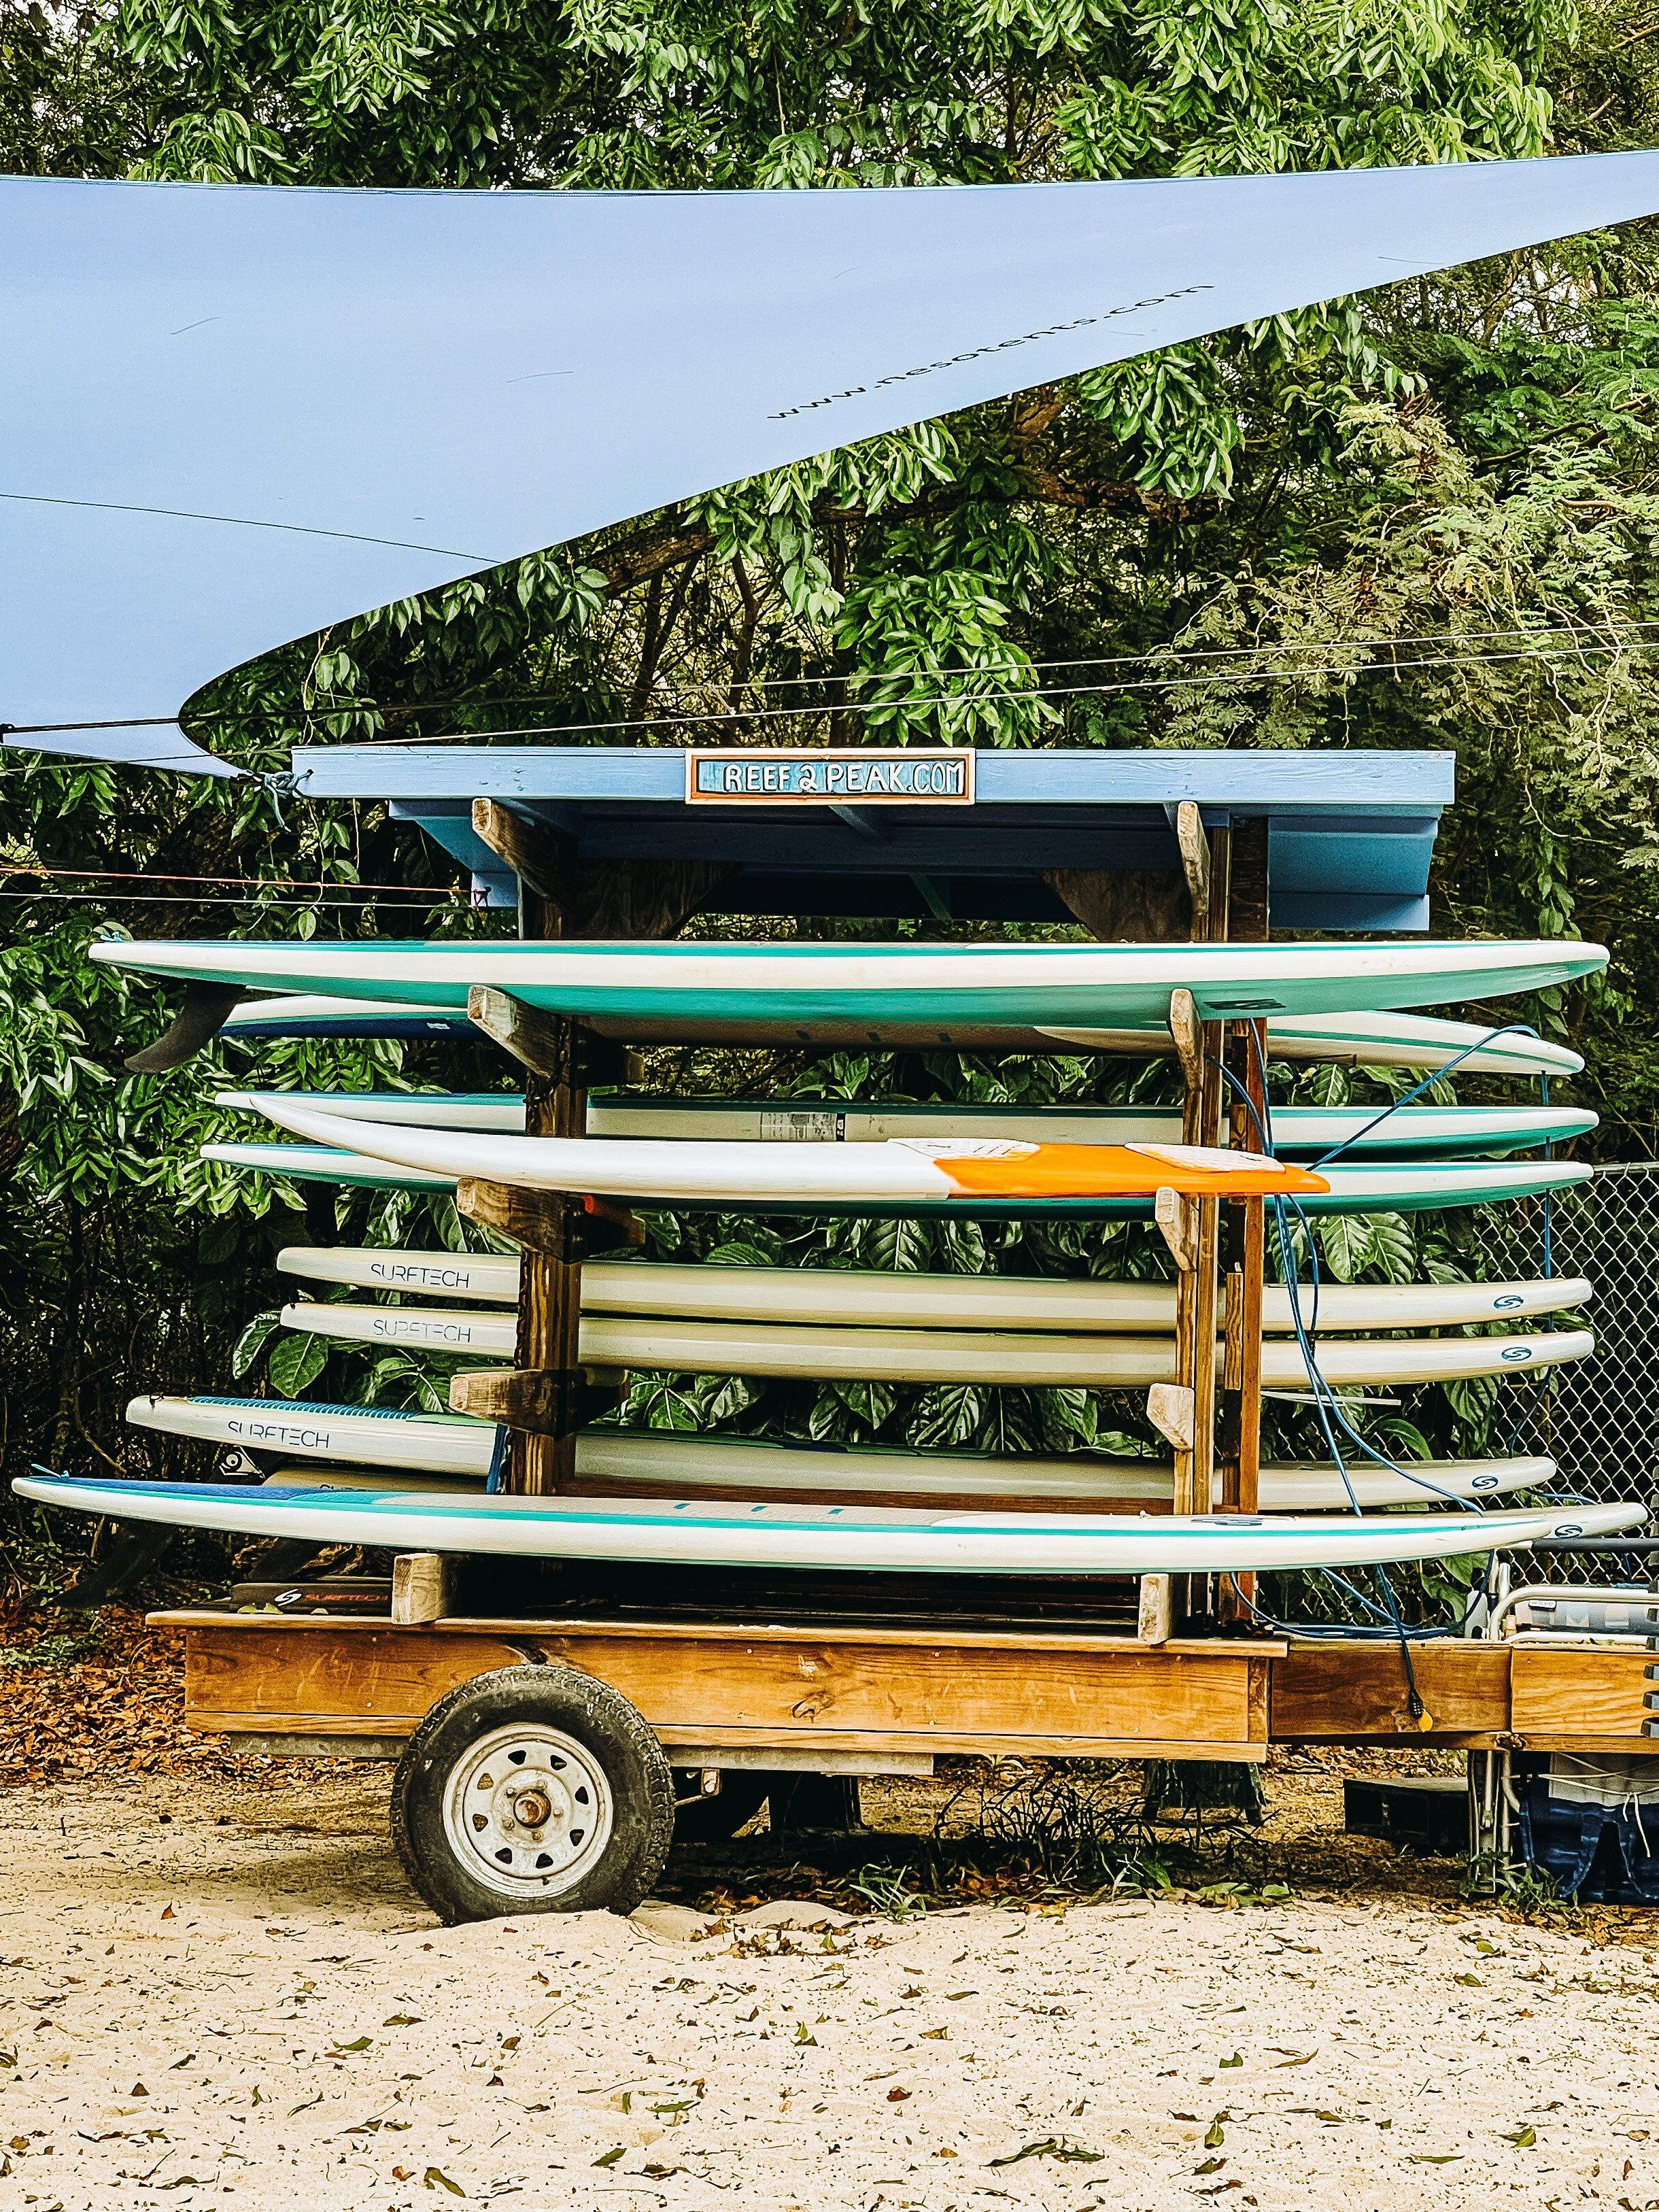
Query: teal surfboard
point(789, 985)
point(853, 1538)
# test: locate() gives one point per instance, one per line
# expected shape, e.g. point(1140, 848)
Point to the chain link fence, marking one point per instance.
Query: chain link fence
point(1598, 1417)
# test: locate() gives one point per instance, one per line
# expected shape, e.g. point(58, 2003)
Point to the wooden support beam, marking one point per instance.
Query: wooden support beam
point(829, 1687)
point(542, 859)
point(1174, 1215)
point(1199, 1046)
point(561, 895)
point(551, 1221)
point(1240, 1425)
point(1156, 1620)
point(424, 1585)
point(1186, 1030)
point(539, 1041)
point(1139, 906)
point(1194, 849)
point(1247, 889)
point(1196, 1294)
point(544, 1405)
point(1170, 1408)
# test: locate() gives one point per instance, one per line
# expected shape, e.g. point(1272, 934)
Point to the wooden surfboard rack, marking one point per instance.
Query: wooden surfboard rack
point(1188, 1672)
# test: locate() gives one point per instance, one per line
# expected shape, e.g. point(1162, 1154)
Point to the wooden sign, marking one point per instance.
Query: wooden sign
point(939, 776)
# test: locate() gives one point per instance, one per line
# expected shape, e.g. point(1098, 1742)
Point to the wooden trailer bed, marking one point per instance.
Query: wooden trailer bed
point(889, 1699)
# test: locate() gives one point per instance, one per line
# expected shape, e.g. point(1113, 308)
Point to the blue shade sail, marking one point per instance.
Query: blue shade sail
point(238, 413)
point(126, 746)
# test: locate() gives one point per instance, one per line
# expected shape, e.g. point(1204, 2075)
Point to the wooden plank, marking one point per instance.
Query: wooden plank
point(1349, 1693)
point(1058, 1642)
point(1591, 1695)
point(1588, 1746)
point(1210, 1121)
point(1240, 1410)
point(375, 1685)
point(939, 1743)
point(700, 1683)
point(1239, 1426)
point(1248, 892)
point(1293, 782)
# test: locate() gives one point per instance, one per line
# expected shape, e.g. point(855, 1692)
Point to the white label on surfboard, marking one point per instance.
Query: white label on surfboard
point(780, 1127)
point(1214, 1159)
point(965, 1148)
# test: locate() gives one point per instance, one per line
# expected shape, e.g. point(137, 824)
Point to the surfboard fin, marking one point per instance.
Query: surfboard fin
point(198, 1021)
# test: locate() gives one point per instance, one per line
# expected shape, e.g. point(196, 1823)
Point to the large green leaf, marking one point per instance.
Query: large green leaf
point(1067, 1417)
point(903, 1247)
point(1392, 1247)
point(252, 1341)
point(872, 1403)
point(960, 1246)
point(297, 1361)
point(1325, 1086)
point(946, 1419)
point(1344, 1245)
point(1006, 1424)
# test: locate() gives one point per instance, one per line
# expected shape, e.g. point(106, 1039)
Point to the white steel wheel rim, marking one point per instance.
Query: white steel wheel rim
point(528, 1810)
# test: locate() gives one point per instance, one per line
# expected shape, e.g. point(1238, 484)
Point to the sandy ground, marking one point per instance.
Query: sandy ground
point(241, 2004)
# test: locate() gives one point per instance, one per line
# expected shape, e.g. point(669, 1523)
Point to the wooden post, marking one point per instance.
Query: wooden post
point(1184, 1411)
point(543, 1403)
point(1241, 1412)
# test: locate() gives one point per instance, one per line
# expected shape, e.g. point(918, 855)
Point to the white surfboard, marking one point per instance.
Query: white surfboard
point(1374, 1040)
point(370, 1436)
point(831, 1538)
point(909, 1175)
point(643, 1463)
point(1298, 1132)
point(1027, 1361)
point(366, 1444)
point(857, 1297)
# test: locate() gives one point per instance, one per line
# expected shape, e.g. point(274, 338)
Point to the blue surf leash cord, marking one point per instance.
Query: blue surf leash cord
point(1390, 1626)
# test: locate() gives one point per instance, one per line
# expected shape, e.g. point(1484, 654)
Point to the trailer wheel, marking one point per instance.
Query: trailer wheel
point(532, 1789)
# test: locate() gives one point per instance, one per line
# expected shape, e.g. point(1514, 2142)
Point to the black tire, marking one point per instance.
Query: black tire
point(715, 1819)
point(485, 1762)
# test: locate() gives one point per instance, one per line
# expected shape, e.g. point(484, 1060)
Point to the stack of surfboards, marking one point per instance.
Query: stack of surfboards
point(396, 1473)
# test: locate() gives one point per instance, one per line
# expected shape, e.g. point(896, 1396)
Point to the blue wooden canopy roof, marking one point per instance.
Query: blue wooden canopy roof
point(1350, 834)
